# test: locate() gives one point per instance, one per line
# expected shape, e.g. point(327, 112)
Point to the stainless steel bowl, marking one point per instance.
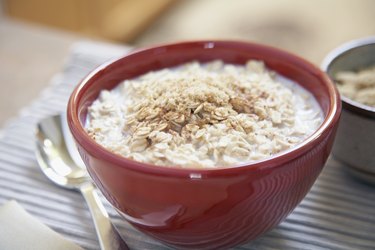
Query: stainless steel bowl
point(355, 140)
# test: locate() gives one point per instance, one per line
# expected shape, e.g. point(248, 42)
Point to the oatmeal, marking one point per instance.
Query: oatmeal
point(204, 115)
point(358, 86)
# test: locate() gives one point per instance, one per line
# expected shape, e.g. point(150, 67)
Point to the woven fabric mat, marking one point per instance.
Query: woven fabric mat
point(338, 212)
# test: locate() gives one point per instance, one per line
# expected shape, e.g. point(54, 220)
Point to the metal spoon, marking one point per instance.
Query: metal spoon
point(59, 160)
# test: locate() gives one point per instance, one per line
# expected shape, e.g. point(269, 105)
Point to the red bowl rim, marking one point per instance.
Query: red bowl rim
point(276, 160)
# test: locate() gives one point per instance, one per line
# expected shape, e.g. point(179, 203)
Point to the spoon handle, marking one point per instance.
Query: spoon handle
point(109, 238)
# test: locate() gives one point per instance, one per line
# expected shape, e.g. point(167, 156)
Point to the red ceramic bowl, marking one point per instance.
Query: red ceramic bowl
point(206, 208)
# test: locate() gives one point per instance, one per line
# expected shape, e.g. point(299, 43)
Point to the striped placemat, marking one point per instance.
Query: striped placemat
point(338, 213)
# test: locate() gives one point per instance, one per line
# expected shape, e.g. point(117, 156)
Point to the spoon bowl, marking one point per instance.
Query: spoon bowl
point(54, 158)
point(59, 160)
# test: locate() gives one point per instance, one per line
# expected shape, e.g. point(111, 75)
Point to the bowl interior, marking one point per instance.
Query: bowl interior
point(353, 56)
point(290, 66)
point(353, 59)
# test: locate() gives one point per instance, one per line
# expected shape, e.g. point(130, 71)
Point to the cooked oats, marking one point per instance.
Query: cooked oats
point(204, 115)
point(358, 86)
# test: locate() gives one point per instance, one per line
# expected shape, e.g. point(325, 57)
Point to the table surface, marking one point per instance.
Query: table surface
point(338, 212)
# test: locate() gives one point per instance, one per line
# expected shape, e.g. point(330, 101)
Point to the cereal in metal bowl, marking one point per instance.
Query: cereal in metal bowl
point(358, 86)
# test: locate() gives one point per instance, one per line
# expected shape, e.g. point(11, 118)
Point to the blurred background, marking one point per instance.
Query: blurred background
point(35, 35)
